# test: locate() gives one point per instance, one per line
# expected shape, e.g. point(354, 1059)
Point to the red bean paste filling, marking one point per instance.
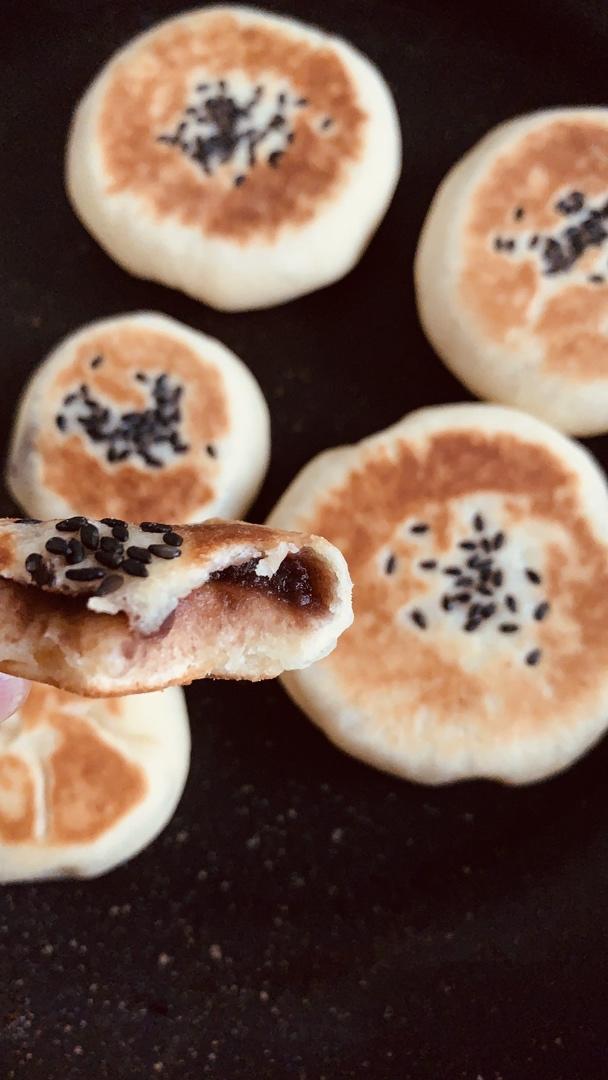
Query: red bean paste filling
point(299, 580)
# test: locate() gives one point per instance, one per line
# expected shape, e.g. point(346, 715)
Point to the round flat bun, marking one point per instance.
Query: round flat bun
point(136, 416)
point(102, 607)
point(512, 268)
point(239, 156)
point(477, 539)
point(85, 785)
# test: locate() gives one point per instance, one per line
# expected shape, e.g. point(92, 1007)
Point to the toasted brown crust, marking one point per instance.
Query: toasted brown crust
point(218, 40)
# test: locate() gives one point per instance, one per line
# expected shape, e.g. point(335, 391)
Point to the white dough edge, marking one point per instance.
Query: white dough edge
point(492, 370)
point(245, 449)
point(153, 732)
point(313, 690)
point(224, 274)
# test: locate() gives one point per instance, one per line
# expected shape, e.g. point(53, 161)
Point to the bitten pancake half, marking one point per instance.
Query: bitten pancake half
point(139, 415)
point(512, 268)
point(85, 785)
point(239, 156)
point(103, 607)
point(477, 539)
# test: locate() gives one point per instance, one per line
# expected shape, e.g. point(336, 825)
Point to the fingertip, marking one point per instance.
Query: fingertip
point(13, 693)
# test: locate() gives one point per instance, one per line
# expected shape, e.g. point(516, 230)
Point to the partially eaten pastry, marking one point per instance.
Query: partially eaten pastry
point(106, 607)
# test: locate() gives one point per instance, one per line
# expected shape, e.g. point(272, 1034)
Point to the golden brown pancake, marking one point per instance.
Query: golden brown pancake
point(85, 785)
point(512, 267)
point(135, 416)
point(477, 539)
point(106, 607)
point(240, 156)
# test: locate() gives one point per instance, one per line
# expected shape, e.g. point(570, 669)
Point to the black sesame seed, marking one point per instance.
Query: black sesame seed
point(472, 624)
point(111, 559)
point(72, 524)
point(75, 552)
point(211, 450)
point(110, 584)
point(419, 527)
point(464, 582)
point(274, 159)
point(497, 578)
point(511, 603)
point(478, 523)
point(33, 562)
point(418, 618)
point(508, 628)
point(475, 610)
point(542, 610)
point(112, 522)
point(134, 568)
point(595, 279)
point(302, 101)
point(326, 123)
point(140, 554)
point(498, 541)
point(69, 399)
point(447, 602)
point(164, 551)
point(462, 598)
point(43, 575)
point(468, 545)
point(89, 534)
point(486, 545)
point(61, 422)
point(56, 545)
point(533, 576)
point(113, 455)
point(111, 544)
point(153, 527)
point(454, 571)
point(173, 538)
point(518, 213)
point(533, 241)
point(473, 562)
point(428, 564)
point(120, 532)
point(238, 180)
point(488, 610)
point(389, 566)
point(484, 590)
point(533, 657)
point(140, 376)
point(87, 573)
point(571, 203)
point(97, 361)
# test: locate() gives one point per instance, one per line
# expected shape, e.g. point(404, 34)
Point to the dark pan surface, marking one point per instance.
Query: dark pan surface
point(303, 916)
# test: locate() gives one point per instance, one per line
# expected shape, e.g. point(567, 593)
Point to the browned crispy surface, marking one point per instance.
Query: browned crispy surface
point(570, 329)
point(72, 469)
point(135, 113)
point(383, 664)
